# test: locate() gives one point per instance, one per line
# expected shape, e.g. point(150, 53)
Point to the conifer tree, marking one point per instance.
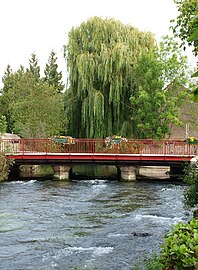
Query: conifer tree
point(52, 76)
point(4, 101)
point(7, 82)
point(34, 68)
point(3, 124)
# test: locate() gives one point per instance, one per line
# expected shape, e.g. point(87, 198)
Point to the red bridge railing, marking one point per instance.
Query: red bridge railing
point(151, 147)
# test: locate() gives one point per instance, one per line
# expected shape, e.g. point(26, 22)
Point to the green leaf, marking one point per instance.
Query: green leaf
point(196, 236)
point(183, 249)
point(194, 35)
point(195, 74)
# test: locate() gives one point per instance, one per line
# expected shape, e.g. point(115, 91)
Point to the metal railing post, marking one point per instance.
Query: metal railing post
point(164, 151)
point(22, 146)
point(46, 146)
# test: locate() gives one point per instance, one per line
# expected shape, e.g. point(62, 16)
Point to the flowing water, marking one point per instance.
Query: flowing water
point(89, 224)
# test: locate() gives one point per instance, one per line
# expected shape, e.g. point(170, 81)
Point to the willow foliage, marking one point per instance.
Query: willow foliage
point(101, 55)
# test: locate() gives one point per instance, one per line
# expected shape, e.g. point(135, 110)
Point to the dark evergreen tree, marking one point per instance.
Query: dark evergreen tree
point(52, 76)
point(7, 79)
point(4, 102)
point(34, 68)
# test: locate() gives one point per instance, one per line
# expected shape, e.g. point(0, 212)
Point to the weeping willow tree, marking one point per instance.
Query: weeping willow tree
point(101, 56)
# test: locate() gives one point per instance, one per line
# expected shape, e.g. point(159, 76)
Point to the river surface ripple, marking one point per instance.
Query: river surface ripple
point(89, 224)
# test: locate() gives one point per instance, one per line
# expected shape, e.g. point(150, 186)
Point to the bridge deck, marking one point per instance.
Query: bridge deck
point(142, 152)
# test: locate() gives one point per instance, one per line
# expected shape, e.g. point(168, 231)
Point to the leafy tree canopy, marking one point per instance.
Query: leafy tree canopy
point(117, 76)
point(186, 22)
point(34, 108)
point(153, 108)
point(186, 28)
point(174, 64)
point(101, 56)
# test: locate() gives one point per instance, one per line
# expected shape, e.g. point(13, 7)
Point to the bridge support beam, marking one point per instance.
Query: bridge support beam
point(61, 172)
point(176, 172)
point(127, 173)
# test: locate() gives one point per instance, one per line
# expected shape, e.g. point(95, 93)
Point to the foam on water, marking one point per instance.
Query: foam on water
point(156, 218)
point(118, 235)
point(96, 181)
point(29, 182)
point(69, 251)
point(98, 188)
point(14, 182)
point(96, 251)
point(22, 182)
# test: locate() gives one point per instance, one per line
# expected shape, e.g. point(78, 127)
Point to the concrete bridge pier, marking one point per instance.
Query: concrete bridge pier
point(127, 173)
point(62, 172)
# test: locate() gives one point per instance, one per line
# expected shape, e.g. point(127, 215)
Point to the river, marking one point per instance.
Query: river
point(87, 224)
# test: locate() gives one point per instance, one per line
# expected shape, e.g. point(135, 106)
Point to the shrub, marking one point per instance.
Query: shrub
point(179, 250)
point(191, 193)
point(5, 165)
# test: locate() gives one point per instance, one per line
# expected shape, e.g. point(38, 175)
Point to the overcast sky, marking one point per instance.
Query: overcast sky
point(38, 26)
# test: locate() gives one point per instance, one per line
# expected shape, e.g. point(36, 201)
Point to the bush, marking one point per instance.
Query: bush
point(5, 165)
point(191, 193)
point(179, 250)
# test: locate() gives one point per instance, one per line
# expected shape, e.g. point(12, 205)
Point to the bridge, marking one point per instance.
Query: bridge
point(126, 155)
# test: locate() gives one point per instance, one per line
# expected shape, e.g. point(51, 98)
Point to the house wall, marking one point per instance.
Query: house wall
point(189, 118)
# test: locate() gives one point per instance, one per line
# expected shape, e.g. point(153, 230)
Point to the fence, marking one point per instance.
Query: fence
point(150, 147)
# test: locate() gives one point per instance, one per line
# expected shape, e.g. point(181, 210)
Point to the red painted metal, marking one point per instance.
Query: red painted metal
point(97, 150)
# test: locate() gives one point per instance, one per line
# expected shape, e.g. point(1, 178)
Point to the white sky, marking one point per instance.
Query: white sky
point(38, 26)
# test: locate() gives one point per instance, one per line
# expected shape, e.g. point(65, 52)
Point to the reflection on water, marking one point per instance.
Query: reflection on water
point(93, 224)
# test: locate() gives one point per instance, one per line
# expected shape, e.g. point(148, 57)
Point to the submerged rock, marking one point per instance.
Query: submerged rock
point(141, 234)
